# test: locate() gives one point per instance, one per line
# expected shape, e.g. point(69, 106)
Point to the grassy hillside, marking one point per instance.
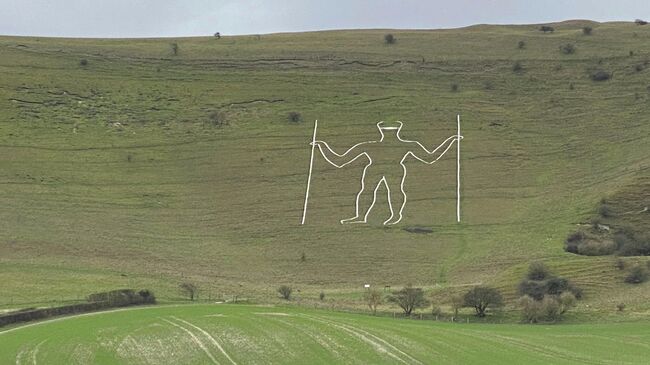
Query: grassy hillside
point(114, 174)
point(225, 334)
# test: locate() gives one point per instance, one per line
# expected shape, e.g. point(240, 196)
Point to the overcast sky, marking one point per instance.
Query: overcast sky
point(169, 18)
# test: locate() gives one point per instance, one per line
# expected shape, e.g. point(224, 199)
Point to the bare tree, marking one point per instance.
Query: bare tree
point(189, 289)
point(409, 298)
point(457, 302)
point(373, 298)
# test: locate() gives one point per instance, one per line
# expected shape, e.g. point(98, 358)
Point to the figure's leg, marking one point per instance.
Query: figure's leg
point(396, 198)
point(365, 198)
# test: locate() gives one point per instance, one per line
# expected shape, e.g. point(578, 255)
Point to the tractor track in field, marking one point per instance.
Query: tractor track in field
point(184, 326)
point(379, 344)
point(195, 339)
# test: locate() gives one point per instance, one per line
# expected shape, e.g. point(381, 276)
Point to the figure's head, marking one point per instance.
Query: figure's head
point(389, 127)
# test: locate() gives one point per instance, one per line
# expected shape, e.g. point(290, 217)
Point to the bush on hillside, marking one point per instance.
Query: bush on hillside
point(218, 118)
point(638, 274)
point(285, 292)
point(600, 75)
point(640, 22)
point(517, 67)
point(521, 44)
point(482, 297)
point(83, 62)
point(454, 87)
point(540, 282)
point(587, 30)
point(389, 39)
point(568, 48)
point(294, 117)
point(174, 48)
point(546, 29)
point(537, 270)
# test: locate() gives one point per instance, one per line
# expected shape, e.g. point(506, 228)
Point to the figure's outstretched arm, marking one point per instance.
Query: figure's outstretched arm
point(340, 160)
point(430, 157)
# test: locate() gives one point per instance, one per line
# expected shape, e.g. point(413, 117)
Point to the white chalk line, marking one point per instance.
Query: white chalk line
point(195, 339)
point(380, 344)
point(383, 180)
point(311, 166)
point(209, 336)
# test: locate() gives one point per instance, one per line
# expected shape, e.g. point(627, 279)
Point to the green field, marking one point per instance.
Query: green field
point(229, 334)
point(114, 175)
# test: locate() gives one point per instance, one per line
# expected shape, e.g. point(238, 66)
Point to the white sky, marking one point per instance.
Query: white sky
point(169, 18)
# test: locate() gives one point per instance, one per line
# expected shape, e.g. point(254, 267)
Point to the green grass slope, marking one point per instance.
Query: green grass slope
point(225, 334)
point(113, 175)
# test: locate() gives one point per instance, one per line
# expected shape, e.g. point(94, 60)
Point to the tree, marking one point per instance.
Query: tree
point(409, 298)
point(482, 297)
point(587, 30)
point(373, 298)
point(217, 35)
point(521, 45)
point(457, 302)
point(285, 291)
point(389, 39)
point(174, 47)
point(189, 289)
point(546, 28)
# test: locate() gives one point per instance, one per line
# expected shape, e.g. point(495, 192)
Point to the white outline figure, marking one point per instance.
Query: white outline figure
point(358, 150)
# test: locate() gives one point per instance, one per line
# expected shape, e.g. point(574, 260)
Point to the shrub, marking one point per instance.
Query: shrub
point(605, 211)
point(640, 22)
point(409, 298)
point(596, 248)
point(482, 297)
point(517, 67)
point(174, 48)
point(638, 68)
point(285, 292)
point(83, 62)
point(294, 117)
point(321, 296)
point(568, 48)
point(548, 284)
point(546, 28)
point(488, 85)
point(620, 307)
point(573, 242)
point(638, 274)
point(532, 288)
point(600, 75)
point(521, 44)
point(218, 118)
point(587, 30)
point(537, 270)
point(454, 87)
point(620, 264)
point(630, 244)
point(389, 39)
